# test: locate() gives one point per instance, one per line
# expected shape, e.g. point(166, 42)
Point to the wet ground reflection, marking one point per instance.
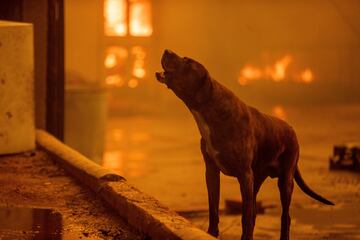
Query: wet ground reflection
point(160, 154)
point(30, 223)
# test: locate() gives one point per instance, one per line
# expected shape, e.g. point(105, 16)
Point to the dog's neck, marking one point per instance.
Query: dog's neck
point(202, 95)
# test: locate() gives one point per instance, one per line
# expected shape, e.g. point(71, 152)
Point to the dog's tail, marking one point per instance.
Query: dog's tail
point(306, 189)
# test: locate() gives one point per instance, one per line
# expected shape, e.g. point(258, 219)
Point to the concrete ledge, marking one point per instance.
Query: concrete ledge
point(142, 211)
point(149, 214)
point(76, 164)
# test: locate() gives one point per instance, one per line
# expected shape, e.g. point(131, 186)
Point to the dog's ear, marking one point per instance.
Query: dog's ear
point(205, 89)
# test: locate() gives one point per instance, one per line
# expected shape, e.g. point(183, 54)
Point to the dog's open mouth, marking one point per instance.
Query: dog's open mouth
point(169, 62)
point(160, 76)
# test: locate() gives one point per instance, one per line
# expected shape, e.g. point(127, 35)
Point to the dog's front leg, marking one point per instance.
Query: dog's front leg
point(246, 180)
point(213, 187)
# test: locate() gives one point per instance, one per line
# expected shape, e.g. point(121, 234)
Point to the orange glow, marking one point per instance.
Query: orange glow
point(114, 160)
point(140, 18)
point(118, 135)
point(115, 56)
point(139, 62)
point(110, 60)
point(114, 80)
point(276, 72)
point(307, 76)
point(126, 163)
point(139, 72)
point(139, 137)
point(115, 14)
point(133, 83)
point(118, 52)
point(249, 73)
point(279, 112)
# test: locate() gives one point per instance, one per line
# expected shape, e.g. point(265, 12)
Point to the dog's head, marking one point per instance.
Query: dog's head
point(184, 76)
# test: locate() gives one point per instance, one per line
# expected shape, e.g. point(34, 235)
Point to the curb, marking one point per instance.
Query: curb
point(142, 211)
point(88, 172)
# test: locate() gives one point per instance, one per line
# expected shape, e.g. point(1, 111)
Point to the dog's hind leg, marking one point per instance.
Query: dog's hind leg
point(288, 160)
point(286, 186)
point(213, 187)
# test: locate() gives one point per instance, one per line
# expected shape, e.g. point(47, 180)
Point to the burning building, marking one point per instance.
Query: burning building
point(95, 86)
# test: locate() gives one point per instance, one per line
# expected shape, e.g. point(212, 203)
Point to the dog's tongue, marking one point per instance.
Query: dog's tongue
point(160, 76)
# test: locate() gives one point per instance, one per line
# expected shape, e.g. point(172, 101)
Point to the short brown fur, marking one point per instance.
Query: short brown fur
point(237, 140)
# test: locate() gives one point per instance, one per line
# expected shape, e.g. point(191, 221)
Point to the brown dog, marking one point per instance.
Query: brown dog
point(237, 140)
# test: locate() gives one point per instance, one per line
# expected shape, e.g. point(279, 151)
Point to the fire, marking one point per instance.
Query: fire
point(276, 72)
point(110, 60)
point(115, 56)
point(139, 62)
point(115, 14)
point(140, 18)
point(249, 73)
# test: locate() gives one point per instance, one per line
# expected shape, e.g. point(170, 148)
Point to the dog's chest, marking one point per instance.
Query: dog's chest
point(206, 135)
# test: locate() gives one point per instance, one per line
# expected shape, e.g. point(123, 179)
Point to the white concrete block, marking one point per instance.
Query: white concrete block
point(17, 127)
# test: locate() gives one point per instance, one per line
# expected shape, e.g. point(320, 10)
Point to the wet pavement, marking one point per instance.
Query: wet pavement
point(35, 223)
point(38, 200)
point(160, 155)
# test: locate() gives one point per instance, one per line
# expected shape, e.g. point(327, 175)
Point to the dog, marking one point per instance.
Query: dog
point(237, 140)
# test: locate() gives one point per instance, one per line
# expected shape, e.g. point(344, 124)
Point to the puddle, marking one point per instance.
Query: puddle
point(30, 223)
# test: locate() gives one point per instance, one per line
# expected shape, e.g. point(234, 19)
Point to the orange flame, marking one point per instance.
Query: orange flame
point(110, 60)
point(115, 15)
point(140, 18)
point(249, 73)
point(115, 56)
point(276, 72)
point(139, 62)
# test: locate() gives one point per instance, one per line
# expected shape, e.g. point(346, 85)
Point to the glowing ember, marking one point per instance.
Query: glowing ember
point(279, 112)
point(307, 76)
point(133, 83)
point(277, 72)
point(115, 14)
point(140, 18)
